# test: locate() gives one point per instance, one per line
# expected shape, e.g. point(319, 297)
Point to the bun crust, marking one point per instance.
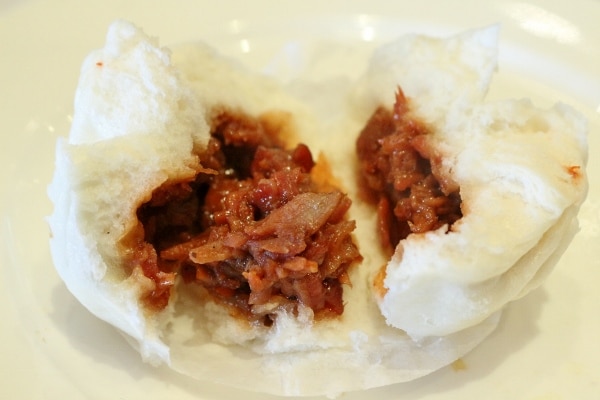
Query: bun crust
point(142, 114)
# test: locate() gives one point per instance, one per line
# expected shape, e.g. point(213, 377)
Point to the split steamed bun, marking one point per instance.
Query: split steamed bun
point(142, 113)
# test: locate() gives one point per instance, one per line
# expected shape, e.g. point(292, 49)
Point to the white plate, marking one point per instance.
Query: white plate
point(547, 346)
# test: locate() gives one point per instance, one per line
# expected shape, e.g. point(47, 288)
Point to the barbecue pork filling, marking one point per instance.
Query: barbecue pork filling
point(253, 228)
point(396, 174)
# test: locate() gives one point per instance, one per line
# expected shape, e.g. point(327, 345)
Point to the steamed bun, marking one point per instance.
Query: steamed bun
point(142, 115)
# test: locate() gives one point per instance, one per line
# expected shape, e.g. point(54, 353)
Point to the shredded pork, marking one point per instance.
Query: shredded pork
point(396, 174)
point(253, 229)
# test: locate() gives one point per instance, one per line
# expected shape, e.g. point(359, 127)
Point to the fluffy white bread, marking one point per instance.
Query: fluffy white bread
point(128, 98)
point(140, 112)
point(521, 172)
